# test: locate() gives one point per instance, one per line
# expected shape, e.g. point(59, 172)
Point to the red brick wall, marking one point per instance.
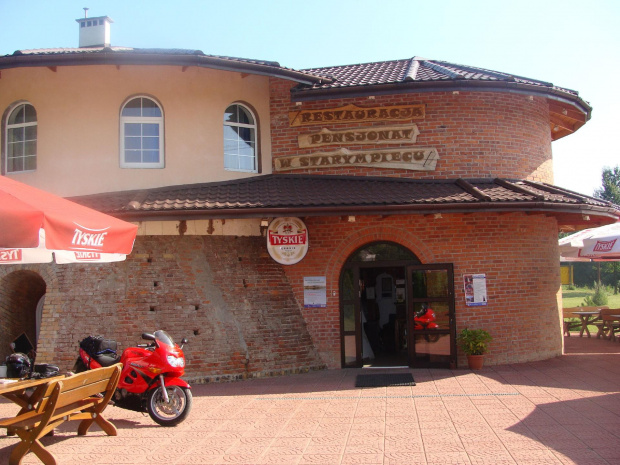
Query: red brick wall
point(517, 252)
point(244, 314)
point(225, 294)
point(19, 295)
point(476, 134)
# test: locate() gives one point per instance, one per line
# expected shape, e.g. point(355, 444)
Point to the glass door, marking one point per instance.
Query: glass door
point(350, 321)
point(431, 323)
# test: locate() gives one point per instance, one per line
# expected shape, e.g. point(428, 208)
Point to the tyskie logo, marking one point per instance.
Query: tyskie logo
point(10, 255)
point(604, 246)
point(89, 238)
point(87, 256)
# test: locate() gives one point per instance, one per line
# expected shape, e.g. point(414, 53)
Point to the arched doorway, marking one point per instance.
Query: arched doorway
point(22, 293)
point(383, 287)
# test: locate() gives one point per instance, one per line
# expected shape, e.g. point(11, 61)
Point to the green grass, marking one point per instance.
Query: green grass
point(575, 297)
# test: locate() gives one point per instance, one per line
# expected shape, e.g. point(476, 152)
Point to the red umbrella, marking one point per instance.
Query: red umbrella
point(36, 223)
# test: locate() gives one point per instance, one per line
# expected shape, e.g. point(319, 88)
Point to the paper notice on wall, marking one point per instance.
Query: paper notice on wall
point(475, 289)
point(315, 291)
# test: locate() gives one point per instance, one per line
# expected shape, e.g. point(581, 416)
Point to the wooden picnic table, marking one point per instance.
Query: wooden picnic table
point(586, 318)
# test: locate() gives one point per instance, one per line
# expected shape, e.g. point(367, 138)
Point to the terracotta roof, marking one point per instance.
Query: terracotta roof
point(150, 56)
point(311, 195)
point(418, 71)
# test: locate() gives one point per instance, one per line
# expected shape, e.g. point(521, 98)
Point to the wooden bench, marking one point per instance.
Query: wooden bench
point(608, 326)
point(571, 321)
point(79, 397)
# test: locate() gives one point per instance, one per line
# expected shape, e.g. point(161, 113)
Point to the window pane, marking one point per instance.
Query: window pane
point(230, 133)
point(132, 108)
point(150, 129)
point(239, 142)
point(30, 163)
point(230, 115)
point(133, 156)
point(31, 132)
point(14, 149)
point(151, 112)
point(30, 148)
point(30, 114)
point(245, 151)
point(133, 143)
point(350, 351)
point(230, 146)
point(429, 283)
point(230, 162)
point(150, 156)
point(244, 116)
point(382, 251)
point(133, 129)
point(150, 143)
point(17, 116)
point(16, 164)
point(246, 163)
point(246, 134)
point(16, 134)
point(349, 317)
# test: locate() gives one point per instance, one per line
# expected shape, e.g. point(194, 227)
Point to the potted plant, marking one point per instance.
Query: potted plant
point(474, 343)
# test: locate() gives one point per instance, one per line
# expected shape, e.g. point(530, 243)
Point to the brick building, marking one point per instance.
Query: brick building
point(394, 186)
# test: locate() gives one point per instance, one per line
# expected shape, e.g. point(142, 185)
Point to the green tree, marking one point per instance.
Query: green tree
point(610, 191)
point(611, 186)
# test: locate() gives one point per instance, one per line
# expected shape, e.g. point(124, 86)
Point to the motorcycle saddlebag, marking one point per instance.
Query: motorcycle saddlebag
point(45, 370)
point(100, 349)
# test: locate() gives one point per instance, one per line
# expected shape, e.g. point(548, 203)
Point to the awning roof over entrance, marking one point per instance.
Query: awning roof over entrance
point(321, 195)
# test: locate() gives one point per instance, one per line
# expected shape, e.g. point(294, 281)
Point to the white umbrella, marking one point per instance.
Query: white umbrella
point(594, 244)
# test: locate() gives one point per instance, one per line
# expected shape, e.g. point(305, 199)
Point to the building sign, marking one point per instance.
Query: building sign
point(315, 291)
point(383, 135)
point(355, 114)
point(417, 159)
point(287, 240)
point(475, 286)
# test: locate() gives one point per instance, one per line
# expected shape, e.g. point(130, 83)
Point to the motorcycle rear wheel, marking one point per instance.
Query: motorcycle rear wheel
point(169, 413)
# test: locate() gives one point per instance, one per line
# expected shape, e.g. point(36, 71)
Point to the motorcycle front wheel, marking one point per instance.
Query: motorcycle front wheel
point(169, 413)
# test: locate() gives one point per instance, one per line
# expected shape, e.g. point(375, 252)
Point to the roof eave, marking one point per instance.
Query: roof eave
point(603, 215)
point(300, 94)
point(109, 57)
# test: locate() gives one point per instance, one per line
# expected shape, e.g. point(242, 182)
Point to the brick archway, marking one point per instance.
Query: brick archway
point(21, 289)
point(368, 235)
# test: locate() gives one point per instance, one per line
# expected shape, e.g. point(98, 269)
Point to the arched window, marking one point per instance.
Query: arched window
point(240, 139)
point(142, 134)
point(21, 139)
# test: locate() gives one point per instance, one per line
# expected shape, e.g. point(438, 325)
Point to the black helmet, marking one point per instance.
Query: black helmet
point(17, 365)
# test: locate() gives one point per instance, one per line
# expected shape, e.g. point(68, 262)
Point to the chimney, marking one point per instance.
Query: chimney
point(94, 32)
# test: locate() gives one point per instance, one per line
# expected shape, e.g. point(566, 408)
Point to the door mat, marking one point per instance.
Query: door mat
point(384, 380)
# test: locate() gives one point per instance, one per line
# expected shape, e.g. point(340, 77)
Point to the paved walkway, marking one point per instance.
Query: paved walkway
point(560, 411)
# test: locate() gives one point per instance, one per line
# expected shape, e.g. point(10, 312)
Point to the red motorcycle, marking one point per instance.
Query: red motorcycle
point(424, 319)
point(151, 377)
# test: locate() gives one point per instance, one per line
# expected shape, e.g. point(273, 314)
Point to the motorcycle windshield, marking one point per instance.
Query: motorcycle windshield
point(164, 338)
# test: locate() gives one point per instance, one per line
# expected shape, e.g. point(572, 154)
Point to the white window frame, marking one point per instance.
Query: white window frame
point(254, 127)
point(159, 120)
point(8, 127)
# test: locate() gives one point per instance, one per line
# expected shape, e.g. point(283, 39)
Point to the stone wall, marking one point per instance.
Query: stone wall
point(225, 294)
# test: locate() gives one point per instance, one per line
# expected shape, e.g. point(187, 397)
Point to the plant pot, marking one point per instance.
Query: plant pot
point(475, 362)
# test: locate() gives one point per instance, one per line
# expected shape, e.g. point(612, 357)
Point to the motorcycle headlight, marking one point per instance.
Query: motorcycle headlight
point(177, 362)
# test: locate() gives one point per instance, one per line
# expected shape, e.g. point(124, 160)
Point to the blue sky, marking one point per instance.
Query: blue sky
point(572, 44)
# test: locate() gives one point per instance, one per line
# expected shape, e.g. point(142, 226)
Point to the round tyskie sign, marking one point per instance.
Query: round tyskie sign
point(287, 240)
